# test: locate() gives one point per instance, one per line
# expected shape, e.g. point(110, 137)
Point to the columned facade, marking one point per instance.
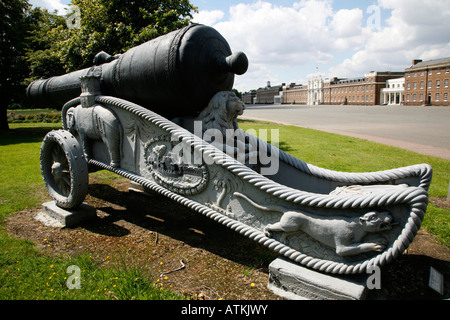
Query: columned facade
point(315, 91)
point(394, 93)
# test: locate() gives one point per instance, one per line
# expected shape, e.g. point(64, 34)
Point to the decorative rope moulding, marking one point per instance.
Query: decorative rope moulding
point(414, 197)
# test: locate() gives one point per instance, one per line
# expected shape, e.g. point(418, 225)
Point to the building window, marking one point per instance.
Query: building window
point(408, 86)
point(422, 84)
point(422, 73)
point(407, 98)
point(446, 83)
point(414, 97)
point(430, 84)
point(438, 71)
point(446, 97)
point(437, 97)
point(438, 84)
point(415, 85)
point(421, 97)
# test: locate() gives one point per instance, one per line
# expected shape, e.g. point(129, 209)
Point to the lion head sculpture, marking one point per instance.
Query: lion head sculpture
point(222, 112)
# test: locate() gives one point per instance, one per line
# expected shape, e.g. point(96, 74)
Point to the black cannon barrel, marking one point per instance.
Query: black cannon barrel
point(174, 75)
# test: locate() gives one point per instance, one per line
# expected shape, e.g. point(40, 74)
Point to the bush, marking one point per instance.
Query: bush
point(41, 117)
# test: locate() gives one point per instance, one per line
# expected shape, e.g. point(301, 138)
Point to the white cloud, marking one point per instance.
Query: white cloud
point(275, 36)
point(415, 29)
point(50, 5)
point(278, 35)
point(208, 17)
point(310, 34)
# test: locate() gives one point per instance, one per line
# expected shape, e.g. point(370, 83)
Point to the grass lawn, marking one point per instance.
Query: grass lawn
point(26, 273)
point(347, 154)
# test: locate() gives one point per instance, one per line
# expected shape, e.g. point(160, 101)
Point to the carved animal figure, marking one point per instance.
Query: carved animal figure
point(96, 123)
point(344, 234)
point(222, 112)
point(220, 127)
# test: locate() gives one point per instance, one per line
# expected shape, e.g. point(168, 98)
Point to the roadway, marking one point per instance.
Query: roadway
point(423, 130)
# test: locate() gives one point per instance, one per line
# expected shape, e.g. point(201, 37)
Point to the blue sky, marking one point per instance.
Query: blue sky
point(295, 40)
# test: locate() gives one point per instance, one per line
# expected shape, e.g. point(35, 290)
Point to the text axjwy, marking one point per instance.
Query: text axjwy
point(231, 309)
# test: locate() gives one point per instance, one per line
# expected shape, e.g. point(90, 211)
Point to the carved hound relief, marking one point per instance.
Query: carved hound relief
point(346, 235)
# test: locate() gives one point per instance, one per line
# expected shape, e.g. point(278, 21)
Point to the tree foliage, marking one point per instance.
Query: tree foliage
point(115, 26)
point(35, 43)
point(43, 61)
point(13, 67)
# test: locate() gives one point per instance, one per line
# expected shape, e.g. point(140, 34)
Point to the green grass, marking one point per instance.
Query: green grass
point(27, 274)
point(347, 154)
point(21, 184)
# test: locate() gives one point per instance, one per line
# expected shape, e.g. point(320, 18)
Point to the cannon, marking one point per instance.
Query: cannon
point(163, 116)
point(175, 75)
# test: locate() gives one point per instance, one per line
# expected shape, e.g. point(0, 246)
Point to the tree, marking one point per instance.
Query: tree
point(43, 61)
point(24, 51)
point(114, 26)
point(35, 43)
point(13, 66)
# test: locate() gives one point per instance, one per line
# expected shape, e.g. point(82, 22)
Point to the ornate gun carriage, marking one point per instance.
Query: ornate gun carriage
point(163, 116)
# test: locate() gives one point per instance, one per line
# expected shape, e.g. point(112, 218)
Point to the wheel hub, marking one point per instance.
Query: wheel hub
point(57, 170)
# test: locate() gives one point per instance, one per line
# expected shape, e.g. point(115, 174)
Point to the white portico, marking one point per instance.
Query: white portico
point(394, 92)
point(315, 91)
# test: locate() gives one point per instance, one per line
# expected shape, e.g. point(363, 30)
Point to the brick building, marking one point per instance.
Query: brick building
point(295, 94)
point(424, 83)
point(267, 95)
point(356, 91)
point(427, 82)
point(249, 97)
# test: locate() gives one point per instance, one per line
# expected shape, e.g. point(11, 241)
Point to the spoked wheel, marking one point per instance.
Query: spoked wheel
point(64, 169)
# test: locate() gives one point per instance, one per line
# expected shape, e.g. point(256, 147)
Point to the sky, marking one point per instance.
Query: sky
point(293, 41)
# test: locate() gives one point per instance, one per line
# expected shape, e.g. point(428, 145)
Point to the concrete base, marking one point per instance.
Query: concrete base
point(294, 282)
point(55, 216)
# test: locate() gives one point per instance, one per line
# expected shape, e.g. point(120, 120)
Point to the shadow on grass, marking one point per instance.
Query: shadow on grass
point(157, 213)
point(24, 135)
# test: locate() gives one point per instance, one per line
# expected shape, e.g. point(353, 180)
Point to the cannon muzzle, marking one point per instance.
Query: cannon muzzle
point(174, 75)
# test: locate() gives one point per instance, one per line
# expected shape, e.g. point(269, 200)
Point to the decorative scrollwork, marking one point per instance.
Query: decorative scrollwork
point(168, 169)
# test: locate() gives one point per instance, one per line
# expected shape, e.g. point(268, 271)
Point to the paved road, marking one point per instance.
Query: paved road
point(421, 129)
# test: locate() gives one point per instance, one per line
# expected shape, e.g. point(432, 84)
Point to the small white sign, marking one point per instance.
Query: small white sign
point(436, 281)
